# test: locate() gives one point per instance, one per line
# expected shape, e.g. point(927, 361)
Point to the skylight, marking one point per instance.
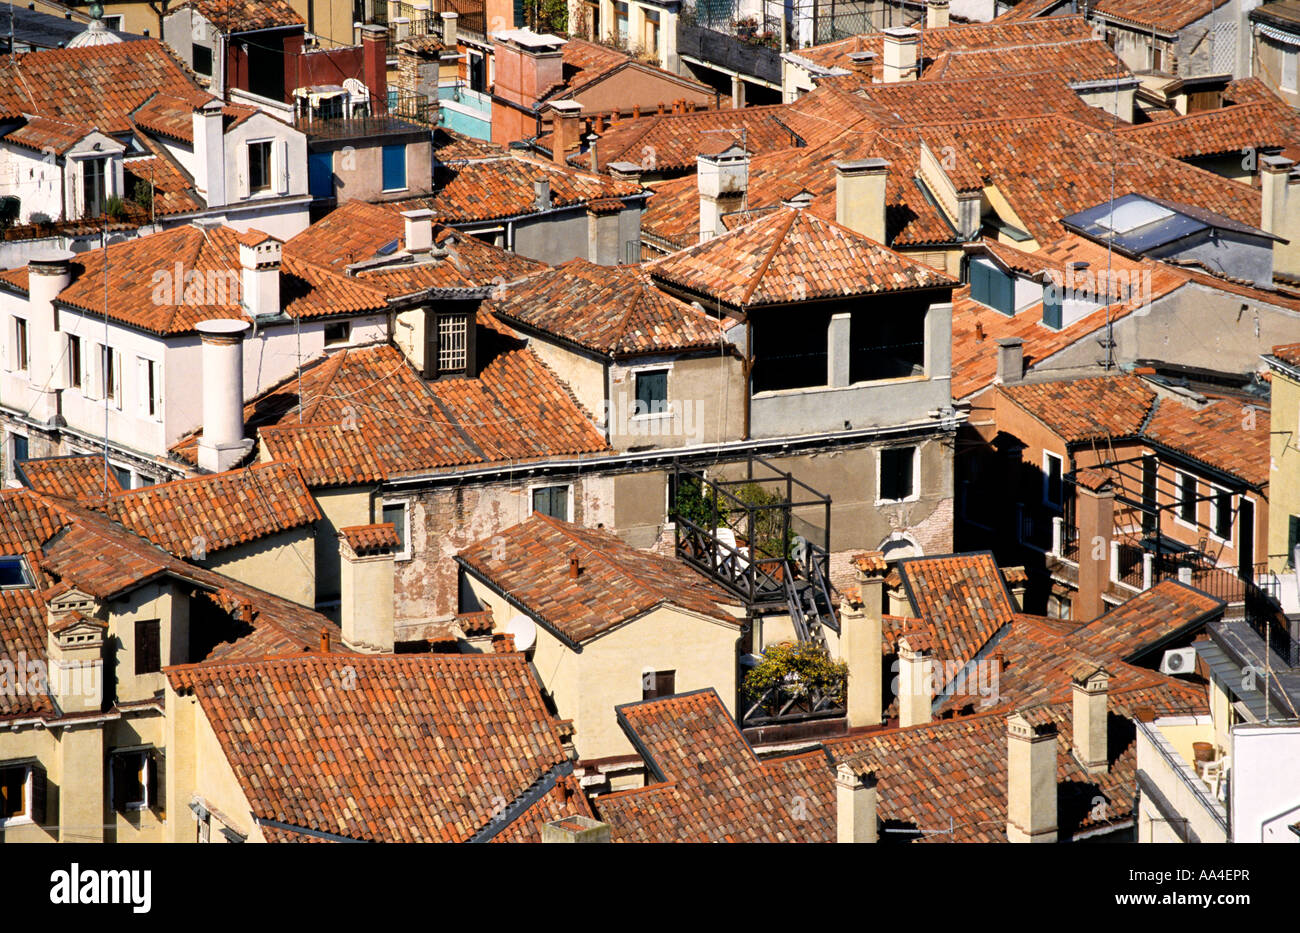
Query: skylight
point(1128, 217)
point(13, 573)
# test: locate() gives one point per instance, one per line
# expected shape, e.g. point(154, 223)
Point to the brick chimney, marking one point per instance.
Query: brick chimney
point(860, 196)
point(855, 805)
point(861, 642)
point(1090, 683)
point(374, 65)
point(1280, 210)
point(1095, 514)
point(915, 678)
point(1011, 360)
point(722, 179)
point(222, 444)
point(1031, 776)
point(366, 570)
point(209, 153)
point(936, 14)
point(902, 54)
point(566, 129)
point(75, 648)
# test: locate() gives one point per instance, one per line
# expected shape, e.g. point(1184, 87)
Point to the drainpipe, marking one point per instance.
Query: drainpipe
point(749, 370)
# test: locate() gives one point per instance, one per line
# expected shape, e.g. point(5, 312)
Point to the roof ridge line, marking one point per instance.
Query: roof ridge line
point(767, 260)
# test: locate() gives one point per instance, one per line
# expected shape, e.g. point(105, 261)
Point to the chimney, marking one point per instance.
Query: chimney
point(210, 153)
point(722, 180)
point(574, 568)
point(419, 230)
point(48, 274)
point(366, 568)
point(542, 193)
point(1031, 776)
point(863, 62)
point(1011, 360)
point(902, 54)
point(861, 641)
point(575, 829)
point(1095, 515)
point(936, 14)
point(915, 679)
point(860, 197)
point(450, 29)
point(624, 171)
point(1090, 683)
point(592, 139)
point(324, 641)
point(855, 805)
point(75, 648)
point(374, 66)
point(1280, 198)
point(259, 260)
point(565, 129)
point(222, 444)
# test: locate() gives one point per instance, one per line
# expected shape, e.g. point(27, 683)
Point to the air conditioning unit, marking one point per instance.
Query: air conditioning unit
point(1179, 661)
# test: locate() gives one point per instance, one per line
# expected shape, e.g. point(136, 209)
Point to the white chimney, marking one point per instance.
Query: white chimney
point(48, 274)
point(1031, 776)
point(1280, 210)
point(210, 153)
point(915, 679)
point(259, 260)
point(419, 230)
point(936, 14)
point(860, 196)
point(450, 28)
point(855, 805)
point(722, 179)
point(366, 569)
point(861, 642)
point(1090, 684)
point(222, 444)
point(1011, 360)
point(902, 54)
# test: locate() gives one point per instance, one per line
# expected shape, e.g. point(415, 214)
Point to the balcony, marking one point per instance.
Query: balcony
point(1183, 780)
point(729, 53)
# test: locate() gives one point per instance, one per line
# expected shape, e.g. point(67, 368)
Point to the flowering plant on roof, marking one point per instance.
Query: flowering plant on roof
point(802, 670)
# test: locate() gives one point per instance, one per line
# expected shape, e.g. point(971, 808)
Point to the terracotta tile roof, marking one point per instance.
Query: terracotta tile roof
point(616, 582)
point(46, 133)
point(172, 115)
point(614, 310)
point(1134, 626)
point(1217, 436)
point(495, 187)
point(72, 477)
point(450, 146)
point(1288, 353)
point(667, 142)
point(1091, 408)
point(23, 620)
point(476, 623)
point(368, 415)
point(416, 748)
point(244, 15)
point(372, 539)
point(306, 291)
point(1026, 9)
point(1169, 16)
point(710, 786)
point(357, 230)
point(791, 255)
point(216, 512)
point(173, 190)
point(960, 599)
point(1261, 124)
point(1081, 59)
point(54, 83)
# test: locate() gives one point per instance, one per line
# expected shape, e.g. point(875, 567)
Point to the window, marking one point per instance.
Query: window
point(94, 188)
point(631, 252)
point(337, 334)
point(20, 355)
point(148, 656)
point(136, 780)
point(651, 392)
point(21, 448)
point(13, 573)
point(1221, 514)
point(202, 60)
point(897, 474)
point(658, 684)
point(990, 286)
point(477, 72)
point(620, 18)
point(1187, 498)
point(651, 44)
point(552, 501)
point(110, 364)
point(259, 167)
point(123, 476)
point(150, 388)
point(453, 332)
point(74, 361)
point(1292, 538)
point(1290, 55)
point(1052, 487)
point(394, 168)
point(396, 513)
point(16, 792)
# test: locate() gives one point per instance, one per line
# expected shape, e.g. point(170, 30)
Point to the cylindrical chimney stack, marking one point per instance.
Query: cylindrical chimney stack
point(222, 444)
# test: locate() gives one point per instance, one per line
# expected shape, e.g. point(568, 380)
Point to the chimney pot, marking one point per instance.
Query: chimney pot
point(574, 568)
point(722, 180)
point(855, 806)
point(936, 14)
point(915, 679)
point(366, 587)
point(1090, 687)
point(575, 829)
point(325, 641)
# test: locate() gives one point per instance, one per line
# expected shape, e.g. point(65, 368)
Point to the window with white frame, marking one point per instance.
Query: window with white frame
point(110, 372)
point(555, 501)
point(897, 470)
point(1221, 513)
point(150, 388)
point(259, 166)
point(398, 512)
point(1053, 484)
point(17, 790)
point(1288, 57)
point(19, 350)
point(74, 361)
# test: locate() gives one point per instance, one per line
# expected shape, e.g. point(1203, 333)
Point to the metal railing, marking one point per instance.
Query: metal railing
point(788, 703)
point(729, 52)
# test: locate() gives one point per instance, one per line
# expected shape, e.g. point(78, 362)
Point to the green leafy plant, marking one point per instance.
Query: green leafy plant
point(142, 194)
point(115, 207)
point(547, 15)
point(692, 503)
point(798, 669)
point(769, 522)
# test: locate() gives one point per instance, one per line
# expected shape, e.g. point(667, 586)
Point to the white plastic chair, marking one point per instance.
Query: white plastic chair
point(729, 563)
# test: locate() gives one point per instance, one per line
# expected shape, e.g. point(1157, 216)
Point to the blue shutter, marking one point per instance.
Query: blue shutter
point(979, 282)
point(1004, 291)
point(320, 175)
point(394, 168)
point(1052, 315)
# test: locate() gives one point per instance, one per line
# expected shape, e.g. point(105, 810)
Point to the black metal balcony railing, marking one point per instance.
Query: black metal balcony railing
point(728, 52)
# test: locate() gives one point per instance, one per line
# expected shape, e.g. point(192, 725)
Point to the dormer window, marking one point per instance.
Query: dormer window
point(990, 286)
point(14, 573)
point(452, 329)
point(259, 167)
point(451, 344)
point(94, 186)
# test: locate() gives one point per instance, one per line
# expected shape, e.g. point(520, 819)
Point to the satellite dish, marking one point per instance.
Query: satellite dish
point(524, 630)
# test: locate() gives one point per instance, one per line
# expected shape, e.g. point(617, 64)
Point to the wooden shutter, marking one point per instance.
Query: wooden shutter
point(241, 172)
point(117, 782)
point(157, 771)
point(281, 166)
point(38, 794)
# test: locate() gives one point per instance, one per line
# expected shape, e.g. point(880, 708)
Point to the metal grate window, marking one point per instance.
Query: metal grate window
point(452, 342)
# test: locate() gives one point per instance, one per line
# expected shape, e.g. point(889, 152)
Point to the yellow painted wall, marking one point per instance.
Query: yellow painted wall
point(1284, 486)
point(283, 564)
